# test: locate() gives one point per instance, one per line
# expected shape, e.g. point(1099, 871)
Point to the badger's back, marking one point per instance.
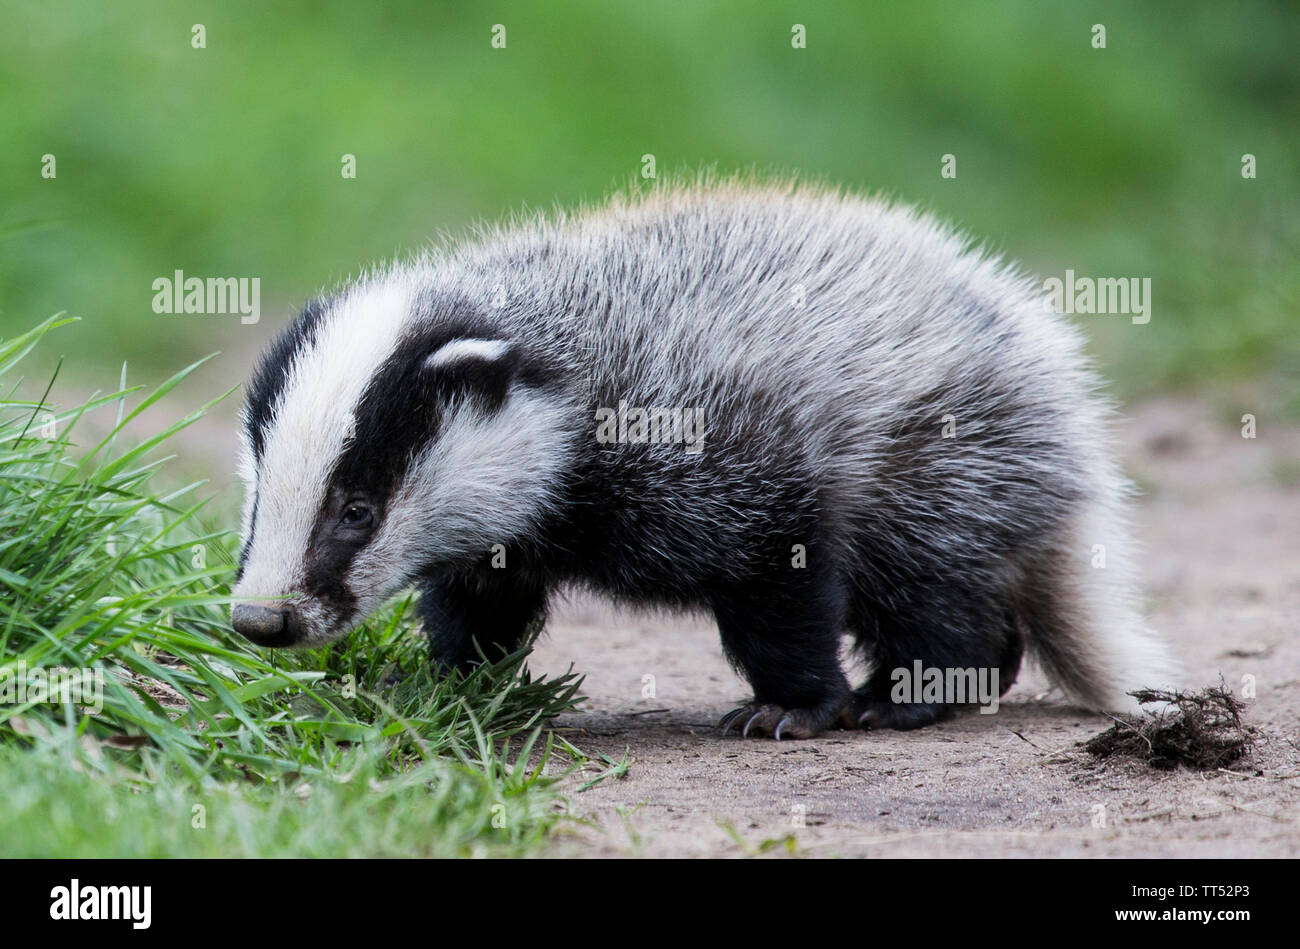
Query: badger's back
point(839, 309)
point(828, 335)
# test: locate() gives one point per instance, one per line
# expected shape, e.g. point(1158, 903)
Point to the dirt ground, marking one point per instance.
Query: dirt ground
point(1220, 519)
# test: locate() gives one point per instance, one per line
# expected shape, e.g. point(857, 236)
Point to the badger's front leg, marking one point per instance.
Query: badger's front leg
point(783, 634)
point(460, 611)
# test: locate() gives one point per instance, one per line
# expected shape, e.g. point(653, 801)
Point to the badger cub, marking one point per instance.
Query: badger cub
point(809, 414)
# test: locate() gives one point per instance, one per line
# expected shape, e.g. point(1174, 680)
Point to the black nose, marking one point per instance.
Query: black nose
point(264, 625)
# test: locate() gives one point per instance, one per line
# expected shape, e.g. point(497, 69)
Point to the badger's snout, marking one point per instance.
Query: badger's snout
point(266, 625)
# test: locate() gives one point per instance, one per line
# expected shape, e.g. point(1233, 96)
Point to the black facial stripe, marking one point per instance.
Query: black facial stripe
point(269, 379)
point(327, 563)
point(398, 414)
point(400, 411)
point(395, 418)
point(248, 541)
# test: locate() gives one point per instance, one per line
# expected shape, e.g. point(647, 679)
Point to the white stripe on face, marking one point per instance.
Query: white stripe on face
point(311, 425)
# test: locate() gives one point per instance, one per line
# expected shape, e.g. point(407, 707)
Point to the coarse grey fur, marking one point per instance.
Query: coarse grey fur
point(830, 343)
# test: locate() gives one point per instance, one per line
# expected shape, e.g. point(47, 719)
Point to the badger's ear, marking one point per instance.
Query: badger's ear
point(480, 370)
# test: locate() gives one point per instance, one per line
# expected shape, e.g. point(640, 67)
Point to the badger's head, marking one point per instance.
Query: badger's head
point(387, 432)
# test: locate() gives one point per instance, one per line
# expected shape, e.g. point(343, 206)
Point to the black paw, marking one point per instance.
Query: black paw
point(772, 720)
point(902, 716)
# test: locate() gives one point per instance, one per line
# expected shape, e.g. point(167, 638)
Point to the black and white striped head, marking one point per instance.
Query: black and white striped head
point(386, 432)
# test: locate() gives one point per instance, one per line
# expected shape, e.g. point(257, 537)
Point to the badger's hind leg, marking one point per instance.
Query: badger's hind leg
point(950, 630)
point(783, 635)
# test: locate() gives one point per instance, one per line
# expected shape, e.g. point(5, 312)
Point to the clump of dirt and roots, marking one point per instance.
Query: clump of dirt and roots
point(1200, 729)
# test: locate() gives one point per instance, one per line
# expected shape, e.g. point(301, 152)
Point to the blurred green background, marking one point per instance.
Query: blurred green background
point(225, 161)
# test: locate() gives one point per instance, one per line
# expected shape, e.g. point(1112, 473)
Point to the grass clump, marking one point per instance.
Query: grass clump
point(124, 692)
point(1201, 729)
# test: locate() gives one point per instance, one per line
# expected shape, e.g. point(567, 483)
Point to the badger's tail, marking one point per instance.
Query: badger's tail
point(1082, 620)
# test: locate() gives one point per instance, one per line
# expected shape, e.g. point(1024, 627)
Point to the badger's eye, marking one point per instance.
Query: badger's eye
point(356, 515)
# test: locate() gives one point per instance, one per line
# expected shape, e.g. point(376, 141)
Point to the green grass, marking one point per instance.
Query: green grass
point(56, 805)
point(287, 753)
